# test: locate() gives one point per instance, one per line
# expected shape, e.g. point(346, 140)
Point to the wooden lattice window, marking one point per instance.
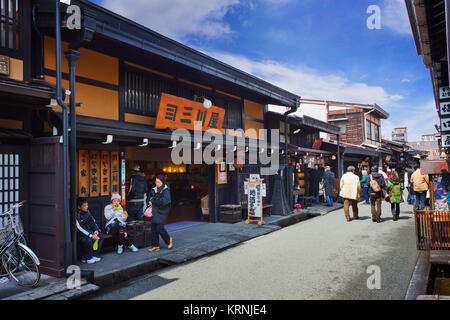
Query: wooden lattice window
point(10, 25)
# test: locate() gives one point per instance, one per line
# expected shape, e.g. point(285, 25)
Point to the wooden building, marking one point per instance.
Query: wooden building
point(122, 72)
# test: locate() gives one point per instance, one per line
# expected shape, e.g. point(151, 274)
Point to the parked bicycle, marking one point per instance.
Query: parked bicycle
point(19, 261)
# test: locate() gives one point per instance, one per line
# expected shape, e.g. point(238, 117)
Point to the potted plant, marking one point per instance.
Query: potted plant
point(298, 206)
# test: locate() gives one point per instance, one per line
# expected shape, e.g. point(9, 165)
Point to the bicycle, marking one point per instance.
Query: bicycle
point(18, 260)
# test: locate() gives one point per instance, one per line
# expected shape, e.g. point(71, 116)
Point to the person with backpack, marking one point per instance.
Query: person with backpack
point(376, 183)
point(395, 187)
point(136, 195)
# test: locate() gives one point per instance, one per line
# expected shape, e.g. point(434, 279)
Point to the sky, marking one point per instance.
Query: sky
point(318, 49)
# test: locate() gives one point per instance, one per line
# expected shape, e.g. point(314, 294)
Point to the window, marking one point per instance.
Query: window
point(9, 25)
point(233, 112)
point(142, 92)
point(377, 133)
point(368, 130)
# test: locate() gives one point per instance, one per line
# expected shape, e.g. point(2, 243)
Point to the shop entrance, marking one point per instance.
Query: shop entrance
point(188, 184)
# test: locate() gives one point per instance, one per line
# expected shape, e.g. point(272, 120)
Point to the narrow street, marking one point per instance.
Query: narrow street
point(321, 258)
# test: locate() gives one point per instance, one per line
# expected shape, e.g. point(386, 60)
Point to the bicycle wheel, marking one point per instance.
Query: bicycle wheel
point(21, 266)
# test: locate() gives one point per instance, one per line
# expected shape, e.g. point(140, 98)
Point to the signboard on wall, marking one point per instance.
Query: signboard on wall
point(83, 173)
point(94, 173)
point(179, 113)
point(105, 174)
point(115, 179)
point(446, 140)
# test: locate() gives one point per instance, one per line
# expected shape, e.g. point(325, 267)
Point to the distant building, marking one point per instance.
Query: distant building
point(428, 143)
point(400, 135)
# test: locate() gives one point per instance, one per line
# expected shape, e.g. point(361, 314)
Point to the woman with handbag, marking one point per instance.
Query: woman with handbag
point(160, 203)
point(395, 186)
point(116, 224)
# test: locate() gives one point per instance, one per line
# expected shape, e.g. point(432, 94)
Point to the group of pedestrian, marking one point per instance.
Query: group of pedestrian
point(322, 185)
point(90, 236)
point(377, 186)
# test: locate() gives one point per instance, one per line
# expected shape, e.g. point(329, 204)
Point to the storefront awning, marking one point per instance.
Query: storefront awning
point(293, 149)
point(360, 151)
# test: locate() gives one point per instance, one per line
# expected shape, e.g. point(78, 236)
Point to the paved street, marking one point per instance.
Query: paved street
point(321, 258)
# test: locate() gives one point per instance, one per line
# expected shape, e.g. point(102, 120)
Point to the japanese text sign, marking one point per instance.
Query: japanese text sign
point(179, 113)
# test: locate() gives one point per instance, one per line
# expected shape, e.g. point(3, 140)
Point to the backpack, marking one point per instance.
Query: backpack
point(374, 185)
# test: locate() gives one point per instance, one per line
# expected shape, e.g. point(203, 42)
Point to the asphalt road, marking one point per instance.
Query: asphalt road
point(321, 258)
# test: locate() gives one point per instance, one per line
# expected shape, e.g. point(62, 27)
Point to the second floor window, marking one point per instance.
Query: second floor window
point(372, 131)
point(368, 130)
point(9, 25)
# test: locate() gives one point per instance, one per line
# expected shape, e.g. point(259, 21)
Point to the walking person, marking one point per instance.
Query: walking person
point(395, 187)
point(116, 224)
point(329, 179)
point(314, 180)
point(376, 185)
point(160, 201)
point(136, 195)
point(410, 187)
point(420, 183)
point(365, 185)
point(350, 192)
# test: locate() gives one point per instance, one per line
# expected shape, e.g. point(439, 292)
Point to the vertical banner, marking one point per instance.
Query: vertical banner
point(123, 181)
point(115, 180)
point(105, 174)
point(94, 171)
point(83, 173)
point(221, 174)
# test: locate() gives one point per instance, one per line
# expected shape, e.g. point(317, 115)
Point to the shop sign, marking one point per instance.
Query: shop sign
point(115, 172)
point(4, 65)
point(444, 109)
point(221, 173)
point(94, 173)
point(123, 187)
point(256, 191)
point(179, 113)
point(317, 144)
point(105, 173)
point(444, 93)
point(446, 140)
point(445, 124)
point(83, 173)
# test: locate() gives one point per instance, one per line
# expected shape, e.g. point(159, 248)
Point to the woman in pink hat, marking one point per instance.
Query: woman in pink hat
point(116, 224)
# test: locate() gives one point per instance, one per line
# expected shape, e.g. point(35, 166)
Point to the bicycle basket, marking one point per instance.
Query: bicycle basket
point(7, 226)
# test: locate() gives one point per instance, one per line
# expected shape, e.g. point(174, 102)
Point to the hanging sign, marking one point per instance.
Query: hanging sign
point(444, 108)
point(179, 113)
point(445, 124)
point(94, 173)
point(83, 173)
point(105, 174)
point(445, 140)
point(444, 93)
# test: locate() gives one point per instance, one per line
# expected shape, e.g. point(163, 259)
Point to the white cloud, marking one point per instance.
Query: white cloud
point(395, 16)
point(310, 83)
point(177, 18)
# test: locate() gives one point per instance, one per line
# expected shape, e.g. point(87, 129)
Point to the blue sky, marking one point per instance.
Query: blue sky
point(320, 49)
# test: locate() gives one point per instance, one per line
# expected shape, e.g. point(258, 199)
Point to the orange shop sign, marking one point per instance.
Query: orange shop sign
point(179, 113)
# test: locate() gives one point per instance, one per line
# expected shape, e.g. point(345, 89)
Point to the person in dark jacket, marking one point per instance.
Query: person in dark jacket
point(136, 195)
point(376, 198)
point(88, 233)
point(329, 181)
point(160, 201)
point(314, 179)
point(410, 187)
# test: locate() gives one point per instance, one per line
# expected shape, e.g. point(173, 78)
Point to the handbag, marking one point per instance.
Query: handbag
point(388, 197)
point(148, 212)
